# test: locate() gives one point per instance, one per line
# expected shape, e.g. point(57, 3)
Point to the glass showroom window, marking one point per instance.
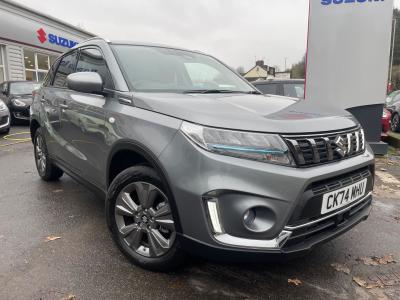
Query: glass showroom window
point(36, 65)
point(2, 65)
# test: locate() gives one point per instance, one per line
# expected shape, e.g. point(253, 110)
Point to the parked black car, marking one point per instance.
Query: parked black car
point(17, 95)
point(283, 87)
point(393, 105)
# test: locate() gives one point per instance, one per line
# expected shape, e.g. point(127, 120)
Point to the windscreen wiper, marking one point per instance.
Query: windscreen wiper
point(215, 91)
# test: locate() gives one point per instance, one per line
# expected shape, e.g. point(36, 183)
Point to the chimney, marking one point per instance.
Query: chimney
point(260, 63)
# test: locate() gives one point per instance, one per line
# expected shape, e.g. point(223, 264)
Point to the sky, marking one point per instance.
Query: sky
point(236, 31)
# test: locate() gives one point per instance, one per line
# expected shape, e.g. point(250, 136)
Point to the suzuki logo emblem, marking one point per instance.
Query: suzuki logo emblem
point(41, 35)
point(341, 147)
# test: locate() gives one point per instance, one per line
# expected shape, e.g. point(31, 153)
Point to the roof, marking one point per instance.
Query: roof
point(257, 72)
point(38, 13)
point(135, 43)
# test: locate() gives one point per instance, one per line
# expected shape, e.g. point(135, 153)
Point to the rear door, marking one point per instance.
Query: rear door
point(85, 122)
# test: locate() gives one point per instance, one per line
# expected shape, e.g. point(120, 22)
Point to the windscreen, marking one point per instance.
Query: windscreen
point(157, 69)
point(23, 88)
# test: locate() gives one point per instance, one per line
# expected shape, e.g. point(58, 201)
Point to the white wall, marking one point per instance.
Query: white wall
point(348, 52)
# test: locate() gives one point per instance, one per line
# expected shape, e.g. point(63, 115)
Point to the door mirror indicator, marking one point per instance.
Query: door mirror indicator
point(85, 82)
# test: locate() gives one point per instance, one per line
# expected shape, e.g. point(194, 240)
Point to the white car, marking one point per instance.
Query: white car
point(4, 118)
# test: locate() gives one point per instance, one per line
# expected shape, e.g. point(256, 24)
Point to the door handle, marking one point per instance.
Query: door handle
point(64, 106)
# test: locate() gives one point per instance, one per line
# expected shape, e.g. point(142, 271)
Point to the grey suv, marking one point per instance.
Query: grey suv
point(192, 159)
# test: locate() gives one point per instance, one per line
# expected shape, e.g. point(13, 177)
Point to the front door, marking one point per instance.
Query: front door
point(84, 120)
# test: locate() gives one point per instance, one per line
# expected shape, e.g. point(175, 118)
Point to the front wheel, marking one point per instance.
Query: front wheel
point(47, 170)
point(395, 124)
point(140, 218)
point(5, 132)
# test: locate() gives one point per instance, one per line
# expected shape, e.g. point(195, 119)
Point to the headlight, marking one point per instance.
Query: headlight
point(18, 103)
point(268, 148)
point(3, 107)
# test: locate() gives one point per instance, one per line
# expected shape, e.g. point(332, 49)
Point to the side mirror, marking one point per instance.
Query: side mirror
point(85, 82)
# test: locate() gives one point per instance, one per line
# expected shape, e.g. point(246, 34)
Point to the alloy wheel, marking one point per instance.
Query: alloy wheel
point(40, 155)
point(144, 219)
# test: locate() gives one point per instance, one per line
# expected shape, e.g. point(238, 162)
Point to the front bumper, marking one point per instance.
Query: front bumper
point(195, 176)
point(20, 113)
point(229, 254)
point(4, 120)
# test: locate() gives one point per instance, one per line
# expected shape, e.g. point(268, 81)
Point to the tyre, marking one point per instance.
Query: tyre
point(47, 171)
point(5, 132)
point(140, 219)
point(395, 124)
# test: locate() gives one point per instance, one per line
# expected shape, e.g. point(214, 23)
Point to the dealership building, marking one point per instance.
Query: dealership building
point(30, 41)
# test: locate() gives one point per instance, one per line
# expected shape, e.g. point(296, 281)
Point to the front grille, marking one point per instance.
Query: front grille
point(333, 184)
point(327, 226)
point(324, 148)
point(25, 113)
point(308, 208)
point(3, 120)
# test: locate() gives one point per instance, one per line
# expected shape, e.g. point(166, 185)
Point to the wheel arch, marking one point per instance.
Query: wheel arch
point(148, 158)
point(33, 127)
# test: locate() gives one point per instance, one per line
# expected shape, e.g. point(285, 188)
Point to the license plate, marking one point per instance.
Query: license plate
point(342, 197)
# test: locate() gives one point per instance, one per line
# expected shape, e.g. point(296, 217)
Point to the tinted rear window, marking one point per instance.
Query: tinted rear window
point(270, 88)
point(295, 90)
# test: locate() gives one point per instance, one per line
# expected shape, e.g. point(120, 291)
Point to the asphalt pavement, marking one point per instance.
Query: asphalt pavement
point(54, 244)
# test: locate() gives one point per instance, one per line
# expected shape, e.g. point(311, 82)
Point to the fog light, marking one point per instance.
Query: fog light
point(214, 216)
point(259, 219)
point(249, 217)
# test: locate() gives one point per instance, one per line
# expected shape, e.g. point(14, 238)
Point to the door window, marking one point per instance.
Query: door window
point(91, 60)
point(50, 75)
point(65, 67)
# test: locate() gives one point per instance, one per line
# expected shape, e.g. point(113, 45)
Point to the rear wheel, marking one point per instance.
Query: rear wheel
point(46, 169)
point(395, 124)
point(140, 219)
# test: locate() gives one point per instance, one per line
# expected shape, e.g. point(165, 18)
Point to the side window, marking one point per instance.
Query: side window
point(65, 67)
point(50, 74)
point(91, 60)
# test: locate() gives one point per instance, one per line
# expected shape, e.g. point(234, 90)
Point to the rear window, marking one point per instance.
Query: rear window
point(295, 90)
point(270, 88)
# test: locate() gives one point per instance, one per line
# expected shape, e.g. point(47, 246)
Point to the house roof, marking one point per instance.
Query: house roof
point(256, 72)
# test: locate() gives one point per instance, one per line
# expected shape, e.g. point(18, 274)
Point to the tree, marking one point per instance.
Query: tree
point(240, 70)
point(396, 52)
point(298, 70)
